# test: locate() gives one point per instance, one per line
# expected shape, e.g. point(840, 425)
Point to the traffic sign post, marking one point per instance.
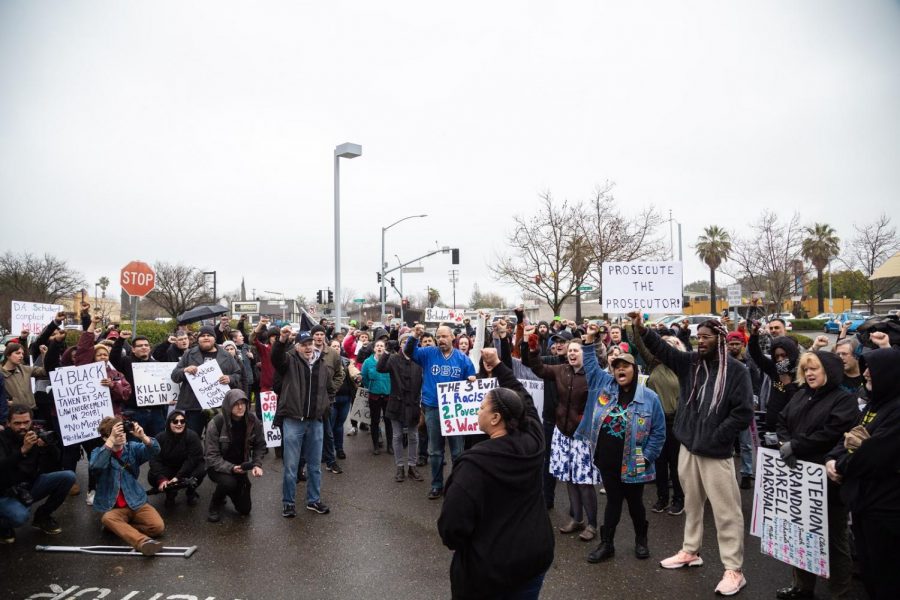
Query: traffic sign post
point(734, 300)
point(137, 280)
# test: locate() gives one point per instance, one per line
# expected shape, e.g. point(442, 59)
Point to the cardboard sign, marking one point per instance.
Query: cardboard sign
point(153, 385)
point(32, 316)
point(646, 286)
point(81, 402)
point(790, 512)
point(458, 403)
point(359, 412)
point(269, 404)
point(535, 387)
point(438, 314)
point(206, 386)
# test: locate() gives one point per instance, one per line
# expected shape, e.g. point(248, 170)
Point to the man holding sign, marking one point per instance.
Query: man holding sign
point(205, 351)
point(441, 364)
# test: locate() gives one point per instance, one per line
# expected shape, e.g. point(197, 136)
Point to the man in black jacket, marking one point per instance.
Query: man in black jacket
point(151, 418)
point(715, 405)
point(27, 465)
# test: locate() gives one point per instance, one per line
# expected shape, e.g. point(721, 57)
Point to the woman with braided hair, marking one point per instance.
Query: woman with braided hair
point(715, 404)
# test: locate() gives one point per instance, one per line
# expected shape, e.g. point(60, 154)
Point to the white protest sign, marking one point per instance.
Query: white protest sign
point(437, 314)
point(359, 412)
point(459, 401)
point(206, 386)
point(32, 316)
point(535, 387)
point(81, 402)
point(153, 385)
point(790, 512)
point(269, 405)
point(646, 286)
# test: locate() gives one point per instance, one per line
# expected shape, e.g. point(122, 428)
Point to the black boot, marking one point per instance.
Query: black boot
point(606, 549)
point(640, 540)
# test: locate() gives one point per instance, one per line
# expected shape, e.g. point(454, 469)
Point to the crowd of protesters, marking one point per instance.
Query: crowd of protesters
point(625, 404)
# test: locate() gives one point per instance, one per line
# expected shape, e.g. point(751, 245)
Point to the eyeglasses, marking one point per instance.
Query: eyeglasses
point(178, 421)
point(706, 337)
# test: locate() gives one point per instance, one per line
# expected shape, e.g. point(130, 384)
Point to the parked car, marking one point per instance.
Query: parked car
point(696, 320)
point(834, 326)
point(824, 317)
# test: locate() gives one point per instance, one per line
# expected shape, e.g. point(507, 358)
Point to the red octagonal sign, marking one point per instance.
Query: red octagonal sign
point(138, 278)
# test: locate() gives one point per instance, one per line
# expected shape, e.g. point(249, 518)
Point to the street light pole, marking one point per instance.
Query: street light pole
point(381, 288)
point(454, 277)
point(345, 150)
point(399, 262)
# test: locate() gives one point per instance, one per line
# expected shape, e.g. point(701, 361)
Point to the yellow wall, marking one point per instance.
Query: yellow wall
point(700, 307)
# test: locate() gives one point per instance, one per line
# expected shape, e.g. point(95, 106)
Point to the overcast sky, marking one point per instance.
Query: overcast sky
point(203, 132)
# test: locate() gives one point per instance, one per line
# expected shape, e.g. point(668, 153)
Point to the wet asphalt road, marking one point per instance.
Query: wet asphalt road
point(379, 541)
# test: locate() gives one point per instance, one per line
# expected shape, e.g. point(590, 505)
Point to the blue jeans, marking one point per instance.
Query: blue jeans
point(436, 446)
point(53, 486)
point(340, 410)
point(746, 453)
point(301, 437)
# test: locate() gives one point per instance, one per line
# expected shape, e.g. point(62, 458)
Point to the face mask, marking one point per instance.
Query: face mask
point(783, 366)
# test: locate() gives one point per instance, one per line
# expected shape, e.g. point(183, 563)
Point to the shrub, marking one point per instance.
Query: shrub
point(801, 340)
point(808, 324)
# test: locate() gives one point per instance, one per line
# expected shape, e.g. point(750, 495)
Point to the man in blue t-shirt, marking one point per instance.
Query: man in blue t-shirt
point(441, 364)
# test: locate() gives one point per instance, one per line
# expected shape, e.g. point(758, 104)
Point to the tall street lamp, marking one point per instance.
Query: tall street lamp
point(381, 289)
point(346, 150)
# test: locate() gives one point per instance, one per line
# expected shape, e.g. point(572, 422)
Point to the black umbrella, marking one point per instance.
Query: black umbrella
point(198, 313)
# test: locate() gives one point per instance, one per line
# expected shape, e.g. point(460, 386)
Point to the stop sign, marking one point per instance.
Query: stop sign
point(138, 278)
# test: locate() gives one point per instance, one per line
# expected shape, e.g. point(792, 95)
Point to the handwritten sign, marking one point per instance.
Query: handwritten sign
point(535, 387)
point(81, 402)
point(206, 386)
point(458, 402)
point(790, 512)
point(651, 286)
point(438, 314)
point(359, 412)
point(32, 316)
point(153, 385)
point(269, 405)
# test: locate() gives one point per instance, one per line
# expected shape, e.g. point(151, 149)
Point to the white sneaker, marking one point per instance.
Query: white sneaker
point(90, 498)
point(731, 584)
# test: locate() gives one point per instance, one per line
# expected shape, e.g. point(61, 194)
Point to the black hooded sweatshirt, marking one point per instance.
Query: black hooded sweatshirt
point(494, 515)
point(181, 453)
point(871, 485)
point(815, 420)
point(780, 393)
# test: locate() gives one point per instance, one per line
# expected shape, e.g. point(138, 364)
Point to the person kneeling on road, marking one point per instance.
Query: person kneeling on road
point(234, 446)
point(179, 464)
point(27, 462)
point(120, 497)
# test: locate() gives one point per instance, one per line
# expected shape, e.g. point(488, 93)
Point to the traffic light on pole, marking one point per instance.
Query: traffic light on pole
point(392, 282)
point(330, 296)
point(454, 256)
point(379, 276)
point(319, 297)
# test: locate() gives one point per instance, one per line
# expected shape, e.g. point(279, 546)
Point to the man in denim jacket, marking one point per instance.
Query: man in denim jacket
point(121, 499)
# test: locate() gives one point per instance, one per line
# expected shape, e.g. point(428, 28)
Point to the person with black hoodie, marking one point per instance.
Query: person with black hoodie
point(781, 369)
point(179, 462)
point(813, 421)
point(493, 515)
point(866, 464)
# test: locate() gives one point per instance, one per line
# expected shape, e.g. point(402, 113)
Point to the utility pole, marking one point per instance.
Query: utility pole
point(454, 278)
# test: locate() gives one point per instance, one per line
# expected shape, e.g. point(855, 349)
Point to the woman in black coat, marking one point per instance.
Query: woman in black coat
point(813, 421)
point(403, 410)
point(493, 515)
point(179, 464)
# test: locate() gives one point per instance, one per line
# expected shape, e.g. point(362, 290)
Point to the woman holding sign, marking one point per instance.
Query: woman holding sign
point(493, 515)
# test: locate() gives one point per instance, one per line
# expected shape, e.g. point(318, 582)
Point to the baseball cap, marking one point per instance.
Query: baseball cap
point(562, 336)
point(623, 357)
point(303, 337)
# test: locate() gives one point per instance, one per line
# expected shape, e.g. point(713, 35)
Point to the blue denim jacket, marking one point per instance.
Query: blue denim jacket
point(645, 433)
point(112, 476)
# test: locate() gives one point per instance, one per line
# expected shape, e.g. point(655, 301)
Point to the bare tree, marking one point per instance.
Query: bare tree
point(872, 245)
point(481, 299)
point(540, 249)
point(35, 279)
point(768, 257)
point(179, 288)
point(613, 236)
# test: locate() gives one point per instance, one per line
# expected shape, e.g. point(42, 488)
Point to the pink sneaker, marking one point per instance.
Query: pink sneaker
point(682, 559)
point(731, 584)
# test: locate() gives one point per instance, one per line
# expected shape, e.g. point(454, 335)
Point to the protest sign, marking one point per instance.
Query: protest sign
point(359, 412)
point(790, 512)
point(206, 386)
point(269, 405)
point(438, 314)
point(458, 402)
point(535, 387)
point(81, 402)
point(32, 316)
point(646, 286)
point(153, 385)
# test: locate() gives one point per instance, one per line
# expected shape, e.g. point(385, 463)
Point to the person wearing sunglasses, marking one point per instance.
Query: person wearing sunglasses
point(179, 464)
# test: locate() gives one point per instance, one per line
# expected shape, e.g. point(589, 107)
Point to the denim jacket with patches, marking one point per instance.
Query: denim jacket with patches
point(645, 432)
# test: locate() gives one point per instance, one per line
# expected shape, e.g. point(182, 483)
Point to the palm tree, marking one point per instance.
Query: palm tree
point(103, 282)
point(820, 245)
point(713, 248)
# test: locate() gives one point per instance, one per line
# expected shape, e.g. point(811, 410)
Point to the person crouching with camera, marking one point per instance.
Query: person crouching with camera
point(179, 464)
point(28, 473)
point(120, 497)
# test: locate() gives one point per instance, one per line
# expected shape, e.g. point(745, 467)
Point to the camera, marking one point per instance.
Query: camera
point(45, 435)
point(21, 493)
point(128, 426)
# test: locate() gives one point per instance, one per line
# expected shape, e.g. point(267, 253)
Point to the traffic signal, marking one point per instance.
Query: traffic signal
point(454, 256)
point(330, 296)
point(319, 297)
point(392, 282)
point(404, 303)
point(379, 276)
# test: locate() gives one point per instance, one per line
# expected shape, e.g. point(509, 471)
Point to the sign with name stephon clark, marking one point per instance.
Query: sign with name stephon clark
point(647, 286)
point(206, 386)
point(81, 401)
point(458, 402)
